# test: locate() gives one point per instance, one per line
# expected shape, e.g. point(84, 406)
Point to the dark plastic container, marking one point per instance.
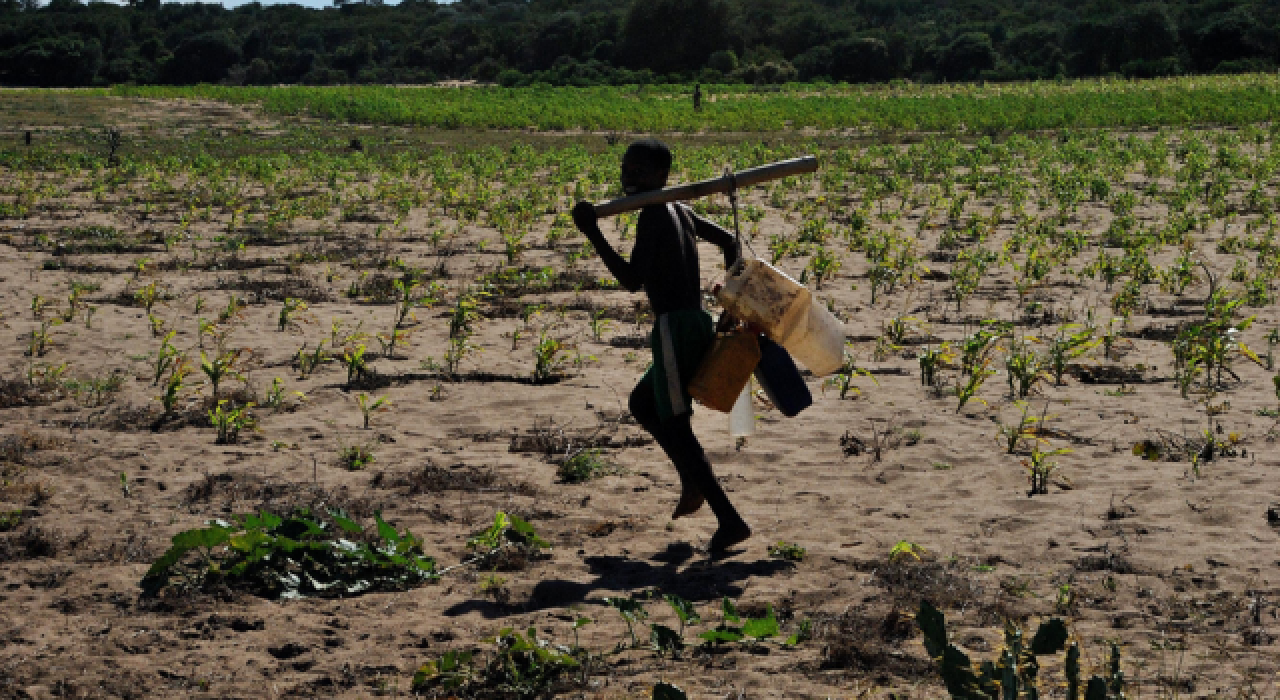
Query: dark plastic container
point(781, 380)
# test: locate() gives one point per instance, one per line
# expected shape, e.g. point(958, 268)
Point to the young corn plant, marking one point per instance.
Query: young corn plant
point(933, 359)
point(975, 346)
point(1024, 368)
point(369, 406)
point(968, 388)
point(166, 357)
point(549, 357)
point(1039, 468)
point(174, 385)
point(843, 379)
point(1013, 435)
point(599, 325)
point(357, 366)
point(824, 265)
point(41, 337)
point(290, 308)
point(146, 297)
point(230, 420)
point(219, 368)
point(1068, 344)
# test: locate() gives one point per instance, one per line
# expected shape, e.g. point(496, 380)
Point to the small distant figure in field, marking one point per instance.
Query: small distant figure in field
point(357, 145)
point(664, 262)
point(26, 138)
point(697, 97)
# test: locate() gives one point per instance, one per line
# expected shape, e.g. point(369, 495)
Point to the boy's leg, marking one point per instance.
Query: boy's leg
point(697, 469)
point(643, 405)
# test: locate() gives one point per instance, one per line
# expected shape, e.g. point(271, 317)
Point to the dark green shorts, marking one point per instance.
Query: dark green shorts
point(679, 341)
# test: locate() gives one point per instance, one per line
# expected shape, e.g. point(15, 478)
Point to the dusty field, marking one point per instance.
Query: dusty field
point(1174, 560)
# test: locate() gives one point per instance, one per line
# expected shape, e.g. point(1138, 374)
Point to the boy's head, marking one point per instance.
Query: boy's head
point(645, 166)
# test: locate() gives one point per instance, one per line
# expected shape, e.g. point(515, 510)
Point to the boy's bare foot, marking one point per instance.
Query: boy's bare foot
point(690, 502)
point(727, 536)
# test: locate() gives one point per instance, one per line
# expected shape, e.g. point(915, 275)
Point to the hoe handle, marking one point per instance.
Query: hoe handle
point(750, 176)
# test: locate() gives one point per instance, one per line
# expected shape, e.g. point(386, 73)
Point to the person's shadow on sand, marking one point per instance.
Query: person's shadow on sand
point(701, 582)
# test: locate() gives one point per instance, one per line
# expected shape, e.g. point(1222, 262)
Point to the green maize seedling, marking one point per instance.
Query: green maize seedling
point(967, 390)
point(368, 407)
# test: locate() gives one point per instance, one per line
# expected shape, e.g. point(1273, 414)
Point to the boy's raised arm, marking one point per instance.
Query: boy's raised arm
point(713, 233)
point(628, 273)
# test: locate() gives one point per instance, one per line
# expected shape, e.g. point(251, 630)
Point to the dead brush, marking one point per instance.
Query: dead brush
point(860, 639)
point(877, 441)
point(20, 448)
point(32, 542)
point(29, 493)
point(459, 477)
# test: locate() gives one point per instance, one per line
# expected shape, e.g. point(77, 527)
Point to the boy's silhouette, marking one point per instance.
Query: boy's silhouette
point(664, 263)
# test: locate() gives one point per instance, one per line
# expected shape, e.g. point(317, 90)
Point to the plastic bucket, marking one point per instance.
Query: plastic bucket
point(760, 293)
point(818, 342)
point(725, 370)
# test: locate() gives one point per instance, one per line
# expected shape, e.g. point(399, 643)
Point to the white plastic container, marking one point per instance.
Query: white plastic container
point(817, 342)
point(760, 293)
point(742, 419)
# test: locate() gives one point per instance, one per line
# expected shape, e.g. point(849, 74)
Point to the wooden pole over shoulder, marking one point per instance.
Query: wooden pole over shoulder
point(750, 176)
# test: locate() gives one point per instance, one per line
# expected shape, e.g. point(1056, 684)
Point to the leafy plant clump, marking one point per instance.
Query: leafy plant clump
point(582, 466)
point(788, 551)
point(303, 554)
point(520, 666)
point(1015, 672)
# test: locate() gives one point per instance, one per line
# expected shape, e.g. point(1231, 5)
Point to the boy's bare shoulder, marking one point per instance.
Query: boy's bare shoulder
point(653, 217)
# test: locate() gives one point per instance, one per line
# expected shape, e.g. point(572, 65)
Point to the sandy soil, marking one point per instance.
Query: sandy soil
point(1177, 564)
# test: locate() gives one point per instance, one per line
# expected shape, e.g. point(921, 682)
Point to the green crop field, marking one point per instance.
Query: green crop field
point(1215, 100)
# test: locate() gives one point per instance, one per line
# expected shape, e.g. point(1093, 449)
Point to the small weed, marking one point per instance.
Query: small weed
point(583, 466)
point(904, 550)
point(356, 457)
point(787, 551)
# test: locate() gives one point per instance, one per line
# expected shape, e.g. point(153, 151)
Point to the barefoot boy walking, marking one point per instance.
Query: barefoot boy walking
point(665, 263)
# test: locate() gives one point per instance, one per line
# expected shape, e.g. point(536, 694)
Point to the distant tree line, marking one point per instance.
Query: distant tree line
point(588, 42)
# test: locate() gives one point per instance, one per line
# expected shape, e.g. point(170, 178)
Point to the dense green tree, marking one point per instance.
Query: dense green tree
point(69, 42)
point(967, 56)
point(668, 36)
point(204, 58)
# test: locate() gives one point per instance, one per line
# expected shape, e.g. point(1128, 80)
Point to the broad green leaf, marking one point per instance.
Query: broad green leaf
point(629, 608)
point(346, 523)
point(761, 628)
point(527, 533)
point(385, 531)
point(209, 537)
point(934, 627)
point(730, 612)
point(722, 634)
point(684, 609)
